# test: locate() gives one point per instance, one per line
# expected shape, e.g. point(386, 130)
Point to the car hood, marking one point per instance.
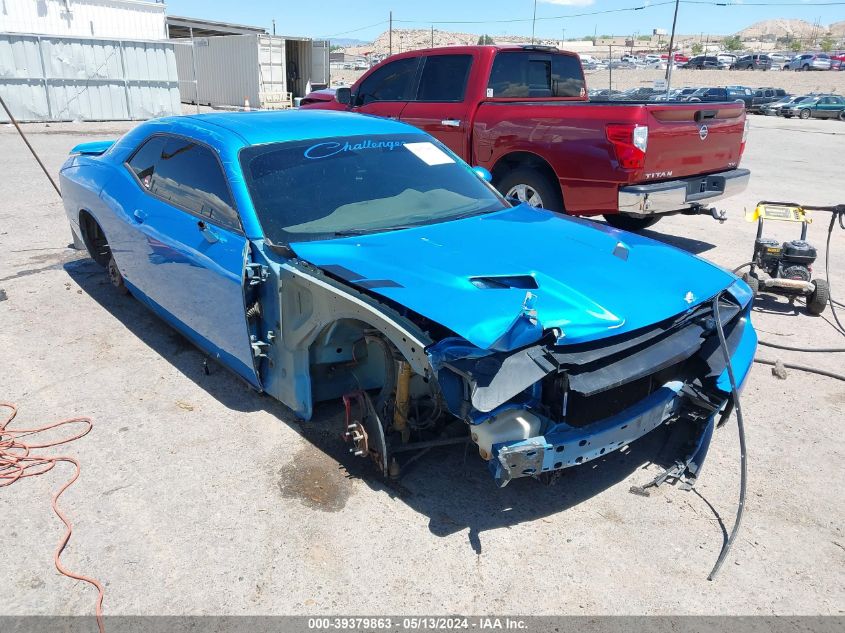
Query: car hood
point(501, 280)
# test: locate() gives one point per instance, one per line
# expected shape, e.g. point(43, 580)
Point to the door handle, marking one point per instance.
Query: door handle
point(207, 233)
point(451, 122)
point(139, 216)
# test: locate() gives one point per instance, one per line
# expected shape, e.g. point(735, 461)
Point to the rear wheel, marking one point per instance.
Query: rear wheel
point(842, 115)
point(817, 301)
point(805, 114)
point(629, 223)
point(116, 278)
point(805, 67)
point(532, 187)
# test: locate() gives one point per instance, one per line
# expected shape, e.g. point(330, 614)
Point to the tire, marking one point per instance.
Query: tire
point(841, 116)
point(805, 114)
point(532, 186)
point(752, 282)
point(818, 299)
point(116, 278)
point(805, 67)
point(628, 223)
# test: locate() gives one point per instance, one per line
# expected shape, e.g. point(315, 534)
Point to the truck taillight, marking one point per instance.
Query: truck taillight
point(630, 142)
point(744, 136)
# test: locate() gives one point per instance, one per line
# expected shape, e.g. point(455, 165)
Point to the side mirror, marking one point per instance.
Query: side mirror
point(482, 173)
point(343, 96)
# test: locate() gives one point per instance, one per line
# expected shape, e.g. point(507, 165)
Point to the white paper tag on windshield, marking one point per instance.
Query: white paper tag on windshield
point(429, 153)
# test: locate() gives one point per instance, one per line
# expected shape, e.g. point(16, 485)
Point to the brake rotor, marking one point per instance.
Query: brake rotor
point(364, 430)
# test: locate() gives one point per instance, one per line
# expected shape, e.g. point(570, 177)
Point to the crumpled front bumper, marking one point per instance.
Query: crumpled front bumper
point(564, 446)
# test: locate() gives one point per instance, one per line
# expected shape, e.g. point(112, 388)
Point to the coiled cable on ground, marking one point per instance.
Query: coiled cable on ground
point(17, 462)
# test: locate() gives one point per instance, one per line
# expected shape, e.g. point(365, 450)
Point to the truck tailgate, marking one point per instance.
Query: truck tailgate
point(691, 139)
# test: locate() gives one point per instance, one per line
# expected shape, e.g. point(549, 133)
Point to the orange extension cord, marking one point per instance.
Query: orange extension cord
point(17, 462)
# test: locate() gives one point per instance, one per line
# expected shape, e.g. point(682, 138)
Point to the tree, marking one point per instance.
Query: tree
point(697, 49)
point(795, 46)
point(485, 39)
point(733, 43)
point(827, 44)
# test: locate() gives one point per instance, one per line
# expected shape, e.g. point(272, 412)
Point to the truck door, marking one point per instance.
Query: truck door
point(439, 107)
point(319, 63)
point(188, 253)
point(387, 89)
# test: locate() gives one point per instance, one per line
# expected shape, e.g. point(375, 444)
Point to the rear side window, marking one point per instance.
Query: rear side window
point(444, 78)
point(524, 75)
point(186, 175)
point(392, 82)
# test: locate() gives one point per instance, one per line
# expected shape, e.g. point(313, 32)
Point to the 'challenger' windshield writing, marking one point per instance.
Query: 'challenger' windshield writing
point(324, 150)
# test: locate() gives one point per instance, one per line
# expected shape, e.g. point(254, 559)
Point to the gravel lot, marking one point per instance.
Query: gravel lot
point(624, 78)
point(198, 496)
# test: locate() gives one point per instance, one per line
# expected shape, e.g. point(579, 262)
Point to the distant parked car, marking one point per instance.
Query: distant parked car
point(823, 107)
point(703, 62)
point(731, 93)
point(765, 96)
point(779, 59)
point(776, 108)
point(752, 62)
point(809, 61)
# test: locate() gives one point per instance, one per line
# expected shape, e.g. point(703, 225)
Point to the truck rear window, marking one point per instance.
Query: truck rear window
point(530, 75)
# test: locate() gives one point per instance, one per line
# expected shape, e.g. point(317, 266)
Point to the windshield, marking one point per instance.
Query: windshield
point(321, 188)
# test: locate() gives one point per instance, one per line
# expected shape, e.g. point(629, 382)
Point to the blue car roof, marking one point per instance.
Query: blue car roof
point(267, 126)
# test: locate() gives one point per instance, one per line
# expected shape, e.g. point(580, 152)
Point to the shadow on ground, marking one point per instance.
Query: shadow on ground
point(450, 485)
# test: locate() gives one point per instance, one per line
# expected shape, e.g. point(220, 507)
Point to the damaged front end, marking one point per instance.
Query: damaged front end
point(550, 405)
point(537, 404)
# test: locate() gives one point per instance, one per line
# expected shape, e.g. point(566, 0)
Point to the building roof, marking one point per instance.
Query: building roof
point(180, 27)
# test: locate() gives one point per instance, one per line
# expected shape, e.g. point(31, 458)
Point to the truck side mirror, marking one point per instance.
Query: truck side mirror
point(343, 96)
point(482, 173)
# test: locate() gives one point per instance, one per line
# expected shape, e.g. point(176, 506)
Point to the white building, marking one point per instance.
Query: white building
point(107, 19)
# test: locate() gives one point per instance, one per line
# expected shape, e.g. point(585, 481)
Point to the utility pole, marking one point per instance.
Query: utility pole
point(432, 36)
point(390, 37)
point(533, 21)
point(610, 70)
point(671, 59)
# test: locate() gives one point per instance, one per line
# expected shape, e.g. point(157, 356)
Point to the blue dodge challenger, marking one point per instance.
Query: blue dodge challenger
point(331, 256)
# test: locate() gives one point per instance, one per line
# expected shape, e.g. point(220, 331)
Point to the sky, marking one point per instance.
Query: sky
point(365, 19)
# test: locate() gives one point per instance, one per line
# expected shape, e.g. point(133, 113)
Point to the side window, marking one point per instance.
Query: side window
point(392, 82)
point(523, 75)
point(444, 78)
point(187, 175)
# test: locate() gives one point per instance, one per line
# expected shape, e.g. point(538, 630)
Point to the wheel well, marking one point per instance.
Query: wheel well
point(94, 238)
point(516, 160)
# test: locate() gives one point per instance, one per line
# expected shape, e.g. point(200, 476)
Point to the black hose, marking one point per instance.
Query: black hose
point(743, 462)
point(801, 349)
point(738, 268)
point(807, 368)
point(840, 213)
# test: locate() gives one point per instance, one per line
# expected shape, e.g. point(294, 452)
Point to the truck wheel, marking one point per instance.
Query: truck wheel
point(629, 223)
point(532, 187)
point(805, 114)
point(817, 301)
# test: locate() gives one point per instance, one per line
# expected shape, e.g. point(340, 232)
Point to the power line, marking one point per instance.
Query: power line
point(369, 26)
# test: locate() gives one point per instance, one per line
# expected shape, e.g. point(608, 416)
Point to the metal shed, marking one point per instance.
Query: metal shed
point(266, 70)
point(54, 78)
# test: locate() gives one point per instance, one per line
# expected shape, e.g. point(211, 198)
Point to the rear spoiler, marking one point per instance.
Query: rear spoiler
point(94, 148)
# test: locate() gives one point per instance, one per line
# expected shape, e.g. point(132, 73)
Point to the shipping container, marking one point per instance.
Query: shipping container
point(265, 70)
point(52, 78)
point(111, 19)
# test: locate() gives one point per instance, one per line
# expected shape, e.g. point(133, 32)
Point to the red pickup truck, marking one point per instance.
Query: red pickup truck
point(522, 112)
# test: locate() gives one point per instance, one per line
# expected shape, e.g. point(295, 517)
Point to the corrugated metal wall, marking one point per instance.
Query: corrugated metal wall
point(49, 78)
point(114, 19)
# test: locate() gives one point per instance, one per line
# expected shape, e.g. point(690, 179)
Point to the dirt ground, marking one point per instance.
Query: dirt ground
point(198, 496)
point(624, 78)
